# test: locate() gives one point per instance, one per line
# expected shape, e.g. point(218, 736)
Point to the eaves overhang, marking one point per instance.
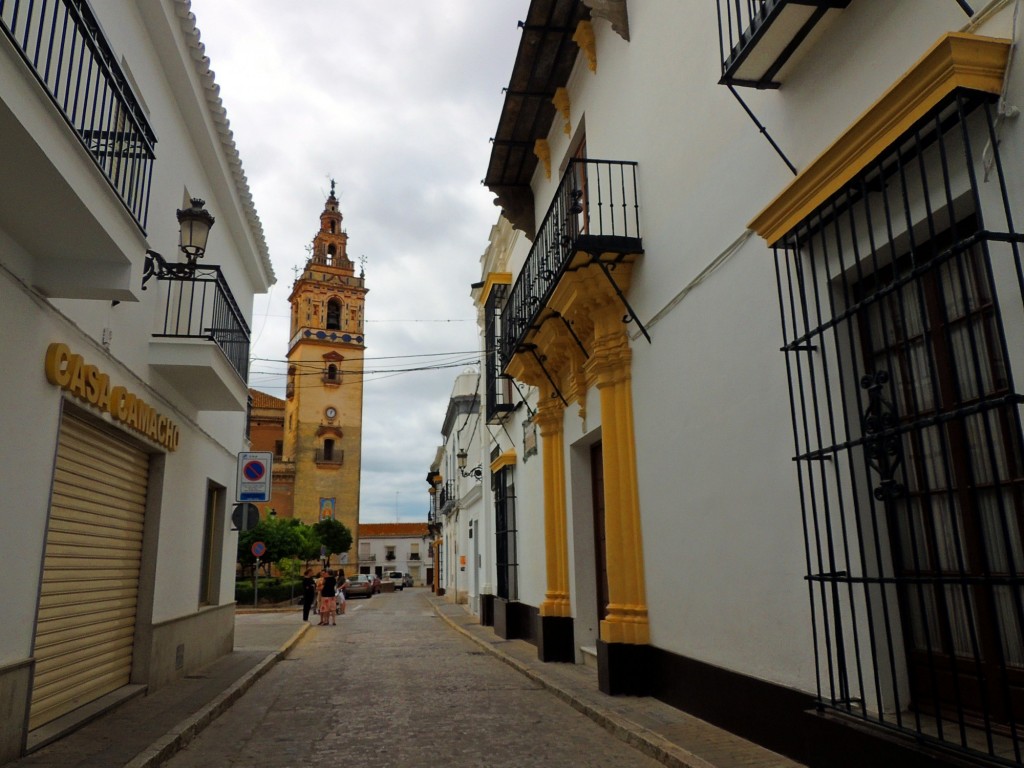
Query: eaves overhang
point(543, 64)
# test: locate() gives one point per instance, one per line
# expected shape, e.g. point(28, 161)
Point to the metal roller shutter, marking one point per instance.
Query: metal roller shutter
point(86, 624)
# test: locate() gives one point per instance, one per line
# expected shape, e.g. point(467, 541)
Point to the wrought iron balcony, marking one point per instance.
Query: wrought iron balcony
point(447, 498)
point(333, 456)
point(200, 306)
point(757, 37)
point(595, 211)
point(64, 46)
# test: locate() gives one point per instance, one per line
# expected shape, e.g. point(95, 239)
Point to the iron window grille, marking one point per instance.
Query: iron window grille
point(902, 318)
point(329, 454)
point(65, 47)
point(505, 533)
point(331, 375)
point(499, 387)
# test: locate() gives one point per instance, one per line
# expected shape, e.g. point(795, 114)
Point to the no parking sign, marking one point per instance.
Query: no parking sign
point(254, 473)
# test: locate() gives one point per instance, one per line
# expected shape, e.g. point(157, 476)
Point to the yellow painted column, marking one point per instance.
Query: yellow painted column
point(609, 366)
point(550, 417)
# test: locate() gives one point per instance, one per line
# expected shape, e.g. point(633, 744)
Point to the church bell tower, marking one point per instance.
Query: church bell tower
point(324, 393)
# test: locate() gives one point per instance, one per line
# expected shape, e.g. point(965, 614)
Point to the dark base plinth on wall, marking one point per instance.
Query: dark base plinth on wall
point(487, 610)
point(623, 669)
point(780, 718)
point(514, 621)
point(555, 639)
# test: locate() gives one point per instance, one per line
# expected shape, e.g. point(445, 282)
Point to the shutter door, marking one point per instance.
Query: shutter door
point(86, 624)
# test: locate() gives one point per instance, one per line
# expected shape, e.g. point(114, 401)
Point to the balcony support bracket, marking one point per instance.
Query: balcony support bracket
point(533, 351)
point(568, 327)
point(631, 313)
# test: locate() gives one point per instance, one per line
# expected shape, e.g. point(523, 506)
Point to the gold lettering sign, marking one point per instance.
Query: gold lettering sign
point(86, 382)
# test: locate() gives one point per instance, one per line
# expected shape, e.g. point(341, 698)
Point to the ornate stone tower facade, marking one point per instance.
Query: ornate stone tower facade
point(324, 397)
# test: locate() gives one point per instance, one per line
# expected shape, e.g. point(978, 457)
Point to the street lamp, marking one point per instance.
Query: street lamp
point(194, 225)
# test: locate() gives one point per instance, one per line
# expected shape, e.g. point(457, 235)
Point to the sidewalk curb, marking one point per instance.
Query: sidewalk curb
point(637, 736)
point(181, 734)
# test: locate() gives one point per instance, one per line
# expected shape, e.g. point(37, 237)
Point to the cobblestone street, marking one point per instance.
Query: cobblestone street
point(394, 685)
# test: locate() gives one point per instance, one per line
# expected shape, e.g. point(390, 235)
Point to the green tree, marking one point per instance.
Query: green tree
point(310, 549)
point(282, 536)
point(334, 535)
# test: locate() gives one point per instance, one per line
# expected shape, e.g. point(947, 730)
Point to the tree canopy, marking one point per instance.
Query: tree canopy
point(334, 536)
point(287, 537)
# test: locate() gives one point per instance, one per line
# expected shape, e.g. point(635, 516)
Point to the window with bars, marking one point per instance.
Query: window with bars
point(499, 386)
point(505, 531)
point(902, 311)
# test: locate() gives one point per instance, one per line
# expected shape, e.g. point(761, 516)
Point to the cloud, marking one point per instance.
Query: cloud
point(396, 99)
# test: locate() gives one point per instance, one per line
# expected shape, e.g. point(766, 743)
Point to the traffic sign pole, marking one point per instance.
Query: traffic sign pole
point(256, 586)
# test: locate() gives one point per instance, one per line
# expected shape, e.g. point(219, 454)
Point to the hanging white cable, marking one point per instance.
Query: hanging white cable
point(705, 273)
point(1004, 110)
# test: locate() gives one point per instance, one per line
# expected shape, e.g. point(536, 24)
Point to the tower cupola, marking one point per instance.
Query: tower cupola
point(331, 242)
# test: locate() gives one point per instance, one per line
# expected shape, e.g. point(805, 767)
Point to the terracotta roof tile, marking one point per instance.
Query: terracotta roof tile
point(263, 400)
point(392, 529)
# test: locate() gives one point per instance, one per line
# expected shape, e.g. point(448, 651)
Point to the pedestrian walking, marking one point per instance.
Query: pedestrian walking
point(327, 594)
point(341, 594)
point(308, 593)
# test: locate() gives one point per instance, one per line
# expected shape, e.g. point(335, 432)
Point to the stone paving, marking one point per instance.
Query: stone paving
point(393, 685)
point(406, 678)
point(133, 733)
point(672, 736)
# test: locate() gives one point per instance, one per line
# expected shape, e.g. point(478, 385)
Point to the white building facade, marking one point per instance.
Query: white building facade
point(456, 479)
point(768, 308)
point(125, 398)
point(405, 547)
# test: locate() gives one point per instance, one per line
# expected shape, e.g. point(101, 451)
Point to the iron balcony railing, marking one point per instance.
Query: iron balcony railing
point(775, 28)
point(448, 497)
point(64, 46)
point(200, 306)
point(333, 456)
point(595, 210)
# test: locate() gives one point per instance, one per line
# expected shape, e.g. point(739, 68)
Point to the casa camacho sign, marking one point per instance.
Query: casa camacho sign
point(71, 373)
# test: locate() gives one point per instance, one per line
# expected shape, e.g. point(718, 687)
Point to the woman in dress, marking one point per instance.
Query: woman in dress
point(327, 595)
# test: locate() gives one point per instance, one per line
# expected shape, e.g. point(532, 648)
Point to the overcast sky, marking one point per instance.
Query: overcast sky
point(396, 100)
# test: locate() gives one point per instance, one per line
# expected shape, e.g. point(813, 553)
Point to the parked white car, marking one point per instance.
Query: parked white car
point(397, 578)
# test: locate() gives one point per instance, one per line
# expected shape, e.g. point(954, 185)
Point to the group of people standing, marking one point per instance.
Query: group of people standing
point(326, 592)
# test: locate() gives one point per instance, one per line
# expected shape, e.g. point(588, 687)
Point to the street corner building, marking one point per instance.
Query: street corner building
point(130, 252)
point(751, 319)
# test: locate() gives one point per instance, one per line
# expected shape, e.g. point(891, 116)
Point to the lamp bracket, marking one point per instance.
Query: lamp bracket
point(157, 266)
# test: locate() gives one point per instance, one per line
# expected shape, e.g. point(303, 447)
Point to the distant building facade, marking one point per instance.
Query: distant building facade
point(404, 547)
point(266, 434)
point(458, 504)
